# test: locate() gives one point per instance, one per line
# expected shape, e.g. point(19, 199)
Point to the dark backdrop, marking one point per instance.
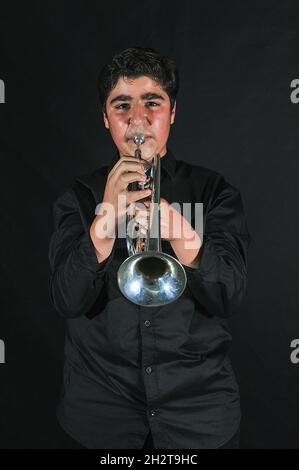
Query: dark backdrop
point(237, 61)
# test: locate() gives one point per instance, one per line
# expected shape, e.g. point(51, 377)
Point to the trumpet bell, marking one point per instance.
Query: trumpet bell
point(151, 279)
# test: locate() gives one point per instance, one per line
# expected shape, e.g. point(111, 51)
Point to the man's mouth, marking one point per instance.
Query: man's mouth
point(147, 136)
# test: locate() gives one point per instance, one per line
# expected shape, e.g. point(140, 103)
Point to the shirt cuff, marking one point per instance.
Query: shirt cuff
point(88, 258)
point(208, 260)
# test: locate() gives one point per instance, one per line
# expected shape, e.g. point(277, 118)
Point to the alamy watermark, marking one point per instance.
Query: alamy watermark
point(176, 223)
point(2, 352)
point(294, 357)
point(2, 91)
point(294, 96)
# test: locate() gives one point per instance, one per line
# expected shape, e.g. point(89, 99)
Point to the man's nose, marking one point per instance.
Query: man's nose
point(138, 115)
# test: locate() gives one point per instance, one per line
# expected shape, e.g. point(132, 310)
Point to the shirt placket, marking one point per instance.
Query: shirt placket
point(149, 371)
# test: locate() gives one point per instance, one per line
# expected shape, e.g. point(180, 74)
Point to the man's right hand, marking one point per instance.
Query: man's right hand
point(127, 170)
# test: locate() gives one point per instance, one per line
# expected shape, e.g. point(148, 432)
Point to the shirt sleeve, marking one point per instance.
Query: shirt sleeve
point(219, 282)
point(76, 277)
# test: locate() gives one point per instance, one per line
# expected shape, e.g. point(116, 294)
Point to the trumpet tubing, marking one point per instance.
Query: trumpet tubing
point(149, 277)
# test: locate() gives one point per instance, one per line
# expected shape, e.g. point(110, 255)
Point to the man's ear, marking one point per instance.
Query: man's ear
point(106, 122)
point(172, 113)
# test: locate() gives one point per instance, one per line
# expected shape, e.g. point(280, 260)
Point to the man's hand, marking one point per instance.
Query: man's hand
point(127, 170)
point(176, 229)
point(102, 230)
point(170, 220)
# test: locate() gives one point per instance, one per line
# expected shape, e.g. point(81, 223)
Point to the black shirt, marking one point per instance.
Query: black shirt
point(131, 369)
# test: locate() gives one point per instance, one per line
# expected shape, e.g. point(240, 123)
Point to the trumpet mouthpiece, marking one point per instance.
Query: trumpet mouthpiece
point(138, 139)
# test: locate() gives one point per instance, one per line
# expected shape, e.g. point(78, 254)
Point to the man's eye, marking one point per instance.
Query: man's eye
point(125, 106)
point(122, 106)
point(152, 104)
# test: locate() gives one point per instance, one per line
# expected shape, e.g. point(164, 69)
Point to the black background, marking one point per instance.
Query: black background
point(234, 115)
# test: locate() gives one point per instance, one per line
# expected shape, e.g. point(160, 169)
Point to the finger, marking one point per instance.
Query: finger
point(141, 220)
point(142, 224)
point(133, 196)
point(142, 232)
point(126, 159)
point(141, 206)
point(125, 177)
point(125, 166)
point(132, 176)
point(141, 212)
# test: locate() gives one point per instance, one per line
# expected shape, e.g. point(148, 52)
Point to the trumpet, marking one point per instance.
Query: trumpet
point(148, 277)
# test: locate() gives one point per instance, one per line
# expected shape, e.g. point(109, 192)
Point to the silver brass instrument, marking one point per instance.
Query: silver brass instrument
point(149, 277)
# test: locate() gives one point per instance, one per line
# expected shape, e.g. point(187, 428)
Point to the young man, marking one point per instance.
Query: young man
point(132, 372)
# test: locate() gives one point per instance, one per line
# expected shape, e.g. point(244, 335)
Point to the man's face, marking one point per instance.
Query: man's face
point(139, 105)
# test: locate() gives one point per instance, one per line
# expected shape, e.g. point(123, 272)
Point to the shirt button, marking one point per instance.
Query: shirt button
point(148, 369)
point(147, 323)
point(152, 412)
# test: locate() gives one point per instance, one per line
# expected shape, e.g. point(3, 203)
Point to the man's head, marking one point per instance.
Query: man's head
point(138, 92)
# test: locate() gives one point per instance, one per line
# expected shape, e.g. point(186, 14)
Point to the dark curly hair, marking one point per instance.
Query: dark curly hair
point(136, 62)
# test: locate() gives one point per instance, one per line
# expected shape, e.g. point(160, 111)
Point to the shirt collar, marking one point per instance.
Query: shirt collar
point(168, 163)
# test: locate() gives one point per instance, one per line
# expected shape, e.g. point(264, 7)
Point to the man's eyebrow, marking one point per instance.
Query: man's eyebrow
point(145, 96)
point(152, 96)
point(121, 98)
